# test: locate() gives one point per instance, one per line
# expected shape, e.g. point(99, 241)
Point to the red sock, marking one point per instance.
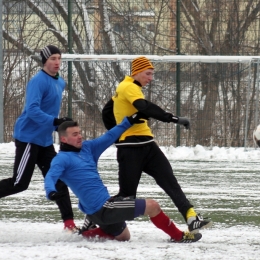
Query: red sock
point(69, 223)
point(97, 232)
point(164, 223)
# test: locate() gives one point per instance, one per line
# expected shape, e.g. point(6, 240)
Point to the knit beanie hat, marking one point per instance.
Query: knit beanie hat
point(140, 64)
point(47, 51)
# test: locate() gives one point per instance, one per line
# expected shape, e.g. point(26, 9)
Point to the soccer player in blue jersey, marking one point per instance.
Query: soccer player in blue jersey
point(76, 165)
point(33, 131)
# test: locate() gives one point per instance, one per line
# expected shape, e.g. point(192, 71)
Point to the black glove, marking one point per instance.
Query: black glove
point(54, 195)
point(58, 121)
point(184, 121)
point(135, 118)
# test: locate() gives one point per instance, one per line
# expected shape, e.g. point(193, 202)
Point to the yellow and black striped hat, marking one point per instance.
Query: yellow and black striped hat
point(140, 64)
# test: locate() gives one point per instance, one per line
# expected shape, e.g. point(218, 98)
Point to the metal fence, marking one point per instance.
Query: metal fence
point(219, 98)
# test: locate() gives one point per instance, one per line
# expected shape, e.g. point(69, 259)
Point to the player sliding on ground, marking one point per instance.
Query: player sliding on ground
point(76, 165)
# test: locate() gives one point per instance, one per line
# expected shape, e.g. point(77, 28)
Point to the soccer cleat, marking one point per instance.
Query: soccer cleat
point(87, 225)
point(90, 226)
point(188, 237)
point(197, 223)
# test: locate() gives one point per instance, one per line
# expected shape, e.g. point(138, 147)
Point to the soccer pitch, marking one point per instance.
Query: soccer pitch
point(227, 191)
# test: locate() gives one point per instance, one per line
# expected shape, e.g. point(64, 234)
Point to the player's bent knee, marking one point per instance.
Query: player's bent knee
point(124, 236)
point(155, 205)
point(152, 208)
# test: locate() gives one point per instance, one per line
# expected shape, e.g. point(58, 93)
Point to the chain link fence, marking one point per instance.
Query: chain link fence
point(219, 98)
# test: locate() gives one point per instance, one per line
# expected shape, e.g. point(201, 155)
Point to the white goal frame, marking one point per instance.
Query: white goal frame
point(183, 59)
point(165, 58)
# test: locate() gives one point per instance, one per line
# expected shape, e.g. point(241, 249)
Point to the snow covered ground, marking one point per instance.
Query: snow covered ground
point(222, 183)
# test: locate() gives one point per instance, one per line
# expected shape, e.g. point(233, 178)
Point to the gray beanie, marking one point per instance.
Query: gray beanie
point(47, 51)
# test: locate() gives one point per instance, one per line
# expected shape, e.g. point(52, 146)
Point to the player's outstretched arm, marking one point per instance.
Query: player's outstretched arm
point(100, 144)
point(151, 110)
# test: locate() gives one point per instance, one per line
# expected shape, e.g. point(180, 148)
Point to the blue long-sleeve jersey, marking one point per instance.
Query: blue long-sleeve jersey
point(79, 170)
point(42, 105)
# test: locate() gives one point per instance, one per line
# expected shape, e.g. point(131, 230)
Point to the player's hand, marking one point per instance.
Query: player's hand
point(184, 121)
point(58, 121)
point(136, 118)
point(54, 195)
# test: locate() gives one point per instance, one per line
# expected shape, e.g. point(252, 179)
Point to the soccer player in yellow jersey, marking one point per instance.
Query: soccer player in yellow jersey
point(137, 150)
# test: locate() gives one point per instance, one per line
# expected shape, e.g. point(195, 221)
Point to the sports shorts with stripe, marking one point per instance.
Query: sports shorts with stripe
point(111, 217)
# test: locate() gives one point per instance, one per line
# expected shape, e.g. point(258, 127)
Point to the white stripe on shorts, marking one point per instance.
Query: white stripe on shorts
point(23, 163)
point(119, 204)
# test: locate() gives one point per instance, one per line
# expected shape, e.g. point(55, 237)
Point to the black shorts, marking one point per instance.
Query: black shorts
point(111, 217)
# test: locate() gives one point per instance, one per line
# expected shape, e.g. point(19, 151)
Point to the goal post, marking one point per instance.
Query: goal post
point(165, 58)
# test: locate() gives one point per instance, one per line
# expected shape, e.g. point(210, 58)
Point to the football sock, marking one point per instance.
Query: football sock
point(191, 214)
point(164, 223)
point(97, 232)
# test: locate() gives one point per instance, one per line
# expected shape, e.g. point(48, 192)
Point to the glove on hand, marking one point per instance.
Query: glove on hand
point(58, 121)
point(54, 195)
point(184, 121)
point(135, 118)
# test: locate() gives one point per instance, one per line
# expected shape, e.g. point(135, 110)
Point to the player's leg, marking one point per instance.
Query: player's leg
point(152, 209)
point(46, 154)
point(130, 165)
point(160, 169)
point(111, 219)
point(119, 232)
point(24, 164)
point(124, 236)
point(108, 228)
point(158, 166)
point(119, 209)
point(163, 222)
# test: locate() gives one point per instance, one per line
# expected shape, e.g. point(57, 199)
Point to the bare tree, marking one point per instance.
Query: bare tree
point(219, 28)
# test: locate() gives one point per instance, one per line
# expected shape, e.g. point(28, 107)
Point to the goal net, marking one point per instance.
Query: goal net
point(219, 94)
